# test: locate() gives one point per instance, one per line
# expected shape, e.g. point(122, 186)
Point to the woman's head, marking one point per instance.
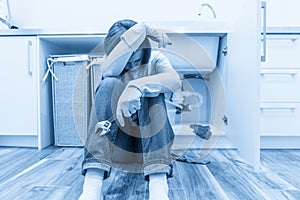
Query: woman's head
point(113, 38)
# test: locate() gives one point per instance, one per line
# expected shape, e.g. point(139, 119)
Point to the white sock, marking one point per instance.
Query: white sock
point(158, 187)
point(92, 186)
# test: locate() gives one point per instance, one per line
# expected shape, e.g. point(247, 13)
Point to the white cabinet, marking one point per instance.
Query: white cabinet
point(279, 93)
point(26, 99)
point(280, 77)
point(18, 80)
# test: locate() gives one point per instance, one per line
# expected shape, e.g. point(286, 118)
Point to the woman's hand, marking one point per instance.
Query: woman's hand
point(129, 102)
point(158, 36)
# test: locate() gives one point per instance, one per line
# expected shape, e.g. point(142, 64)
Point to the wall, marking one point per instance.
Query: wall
point(93, 13)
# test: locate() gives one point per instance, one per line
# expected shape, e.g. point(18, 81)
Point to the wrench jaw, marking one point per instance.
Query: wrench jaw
point(102, 127)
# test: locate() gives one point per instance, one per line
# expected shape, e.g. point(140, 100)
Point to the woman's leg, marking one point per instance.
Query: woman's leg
point(97, 148)
point(156, 135)
point(97, 158)
point(157, 138)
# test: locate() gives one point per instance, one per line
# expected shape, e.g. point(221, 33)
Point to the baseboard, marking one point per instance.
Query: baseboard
point(195, 142)
point(18, 141)
point(280, 142)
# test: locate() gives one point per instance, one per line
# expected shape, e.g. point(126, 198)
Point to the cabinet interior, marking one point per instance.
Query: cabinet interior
point(93, 45)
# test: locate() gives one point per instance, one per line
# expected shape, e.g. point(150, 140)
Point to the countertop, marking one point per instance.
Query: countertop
point(35, 32)
point(199, 27)
point(46, 32)
point(102, 31)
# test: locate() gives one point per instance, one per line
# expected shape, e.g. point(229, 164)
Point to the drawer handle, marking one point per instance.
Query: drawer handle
point(293, 39)
point(279, 73)
point(279, 108)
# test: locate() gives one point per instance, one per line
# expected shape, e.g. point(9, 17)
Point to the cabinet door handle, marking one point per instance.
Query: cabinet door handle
point(29, 52)
point(264, 33)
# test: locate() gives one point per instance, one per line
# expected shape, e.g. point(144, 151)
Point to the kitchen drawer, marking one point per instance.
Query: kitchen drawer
point(280, 85)
point(282, 51)
point(280, 119)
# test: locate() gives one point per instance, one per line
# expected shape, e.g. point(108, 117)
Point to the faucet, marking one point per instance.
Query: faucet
point(210, 8)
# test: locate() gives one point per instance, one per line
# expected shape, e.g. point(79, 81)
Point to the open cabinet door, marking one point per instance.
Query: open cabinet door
point(243, 81)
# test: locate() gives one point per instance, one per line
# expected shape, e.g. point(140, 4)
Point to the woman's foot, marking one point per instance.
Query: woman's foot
point(92, 186)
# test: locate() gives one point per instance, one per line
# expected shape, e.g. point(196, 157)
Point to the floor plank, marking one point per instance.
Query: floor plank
point(197, 182)
point(15, 160)
point(266, 182)
point(50, 173)
point(55, 173)
point(125, 185)
point(232, 178)
point(284, 163)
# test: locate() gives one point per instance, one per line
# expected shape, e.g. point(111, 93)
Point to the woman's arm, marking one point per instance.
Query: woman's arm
point(129, 43)
point(166, 80)
point(119, 56)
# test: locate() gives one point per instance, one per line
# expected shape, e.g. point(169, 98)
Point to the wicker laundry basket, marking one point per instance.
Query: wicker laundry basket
point(71, 99)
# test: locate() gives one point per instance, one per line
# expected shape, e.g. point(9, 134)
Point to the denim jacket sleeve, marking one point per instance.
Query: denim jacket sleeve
point(130, 41)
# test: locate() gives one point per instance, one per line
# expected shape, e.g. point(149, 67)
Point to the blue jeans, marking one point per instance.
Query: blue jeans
point(147, 135)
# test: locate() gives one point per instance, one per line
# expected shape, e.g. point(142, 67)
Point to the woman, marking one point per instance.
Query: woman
point(130, 94)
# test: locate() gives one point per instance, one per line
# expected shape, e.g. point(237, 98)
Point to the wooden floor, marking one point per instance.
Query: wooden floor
point(54, 173)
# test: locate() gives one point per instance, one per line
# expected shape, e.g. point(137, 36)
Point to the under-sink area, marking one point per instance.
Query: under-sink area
point(197, 53)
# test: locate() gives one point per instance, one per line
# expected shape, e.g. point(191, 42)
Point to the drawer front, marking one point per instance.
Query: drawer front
point(282, 51)
point(280, 85)
point(280, 119)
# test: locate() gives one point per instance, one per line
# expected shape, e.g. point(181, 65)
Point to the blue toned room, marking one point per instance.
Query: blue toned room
point(149, 100)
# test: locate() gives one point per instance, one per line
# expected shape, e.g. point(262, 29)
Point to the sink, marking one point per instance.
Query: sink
point(195, 44)
point(193, 26)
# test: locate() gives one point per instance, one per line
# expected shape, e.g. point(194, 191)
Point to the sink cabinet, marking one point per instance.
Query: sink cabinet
point(29, 117)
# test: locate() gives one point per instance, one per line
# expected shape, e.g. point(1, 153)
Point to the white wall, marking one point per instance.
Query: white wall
point(94, 13)
point(91, 13)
